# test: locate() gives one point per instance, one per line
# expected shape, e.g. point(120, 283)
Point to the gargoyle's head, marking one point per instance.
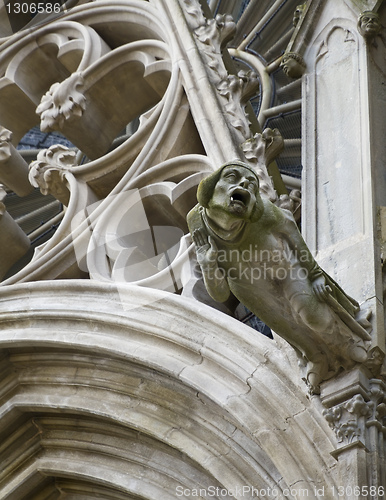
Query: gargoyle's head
point(233, 189)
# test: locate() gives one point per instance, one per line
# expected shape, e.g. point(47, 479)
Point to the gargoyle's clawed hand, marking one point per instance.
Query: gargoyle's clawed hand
point(206, 249)
point(321, 290)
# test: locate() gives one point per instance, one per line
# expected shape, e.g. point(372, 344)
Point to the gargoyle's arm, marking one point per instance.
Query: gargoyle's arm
point(286, 225)
point(214, 278)
point(303, 254)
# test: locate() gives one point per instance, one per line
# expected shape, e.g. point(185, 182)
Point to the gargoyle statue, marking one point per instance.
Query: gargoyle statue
point(249, 247)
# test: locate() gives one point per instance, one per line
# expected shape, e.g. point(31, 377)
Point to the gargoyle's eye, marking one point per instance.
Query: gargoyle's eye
point(231, 176)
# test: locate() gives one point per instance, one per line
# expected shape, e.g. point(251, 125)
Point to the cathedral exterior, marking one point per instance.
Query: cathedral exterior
point(121, 376)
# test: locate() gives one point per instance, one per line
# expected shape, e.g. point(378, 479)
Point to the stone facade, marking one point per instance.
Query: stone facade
point(120, 376)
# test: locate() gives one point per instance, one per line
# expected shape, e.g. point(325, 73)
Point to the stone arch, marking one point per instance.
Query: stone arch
point(93, 373)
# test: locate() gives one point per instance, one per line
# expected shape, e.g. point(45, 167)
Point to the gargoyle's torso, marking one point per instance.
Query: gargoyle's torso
point(260, 265)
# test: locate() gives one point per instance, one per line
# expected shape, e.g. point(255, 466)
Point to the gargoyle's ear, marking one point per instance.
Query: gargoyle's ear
point(206, 188)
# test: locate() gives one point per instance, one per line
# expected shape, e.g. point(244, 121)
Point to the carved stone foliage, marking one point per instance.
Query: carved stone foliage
point(63, 102)
point(235, 91)
point(54, 51)
point(291, 202)
point(215, 34)
point(356, 414)
point(348, 419)
point(260, 151)
point(265, 147)
point(48, 171)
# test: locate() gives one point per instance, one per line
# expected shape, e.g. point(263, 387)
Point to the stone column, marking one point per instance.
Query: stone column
point(344, 183)
point(355, 410)
point(13, 168)
point(344, 199)
point(14, 242)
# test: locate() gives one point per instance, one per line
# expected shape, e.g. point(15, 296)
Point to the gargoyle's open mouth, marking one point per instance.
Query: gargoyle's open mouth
point(240, 197)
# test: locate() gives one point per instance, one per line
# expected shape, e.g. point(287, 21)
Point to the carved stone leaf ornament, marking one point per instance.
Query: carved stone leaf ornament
point(61, 103)
point(236, 90)
point(193, 13)
point(48, 171)
point(233, 90)
point(358, 421)
point(260, 150)
point(346, 429)
point(214, 34)
point(54, 51)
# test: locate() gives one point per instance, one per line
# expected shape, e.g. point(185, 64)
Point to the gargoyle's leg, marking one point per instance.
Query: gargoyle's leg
point(315, 314)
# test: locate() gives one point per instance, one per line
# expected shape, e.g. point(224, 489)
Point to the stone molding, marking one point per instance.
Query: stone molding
point(127, 359)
